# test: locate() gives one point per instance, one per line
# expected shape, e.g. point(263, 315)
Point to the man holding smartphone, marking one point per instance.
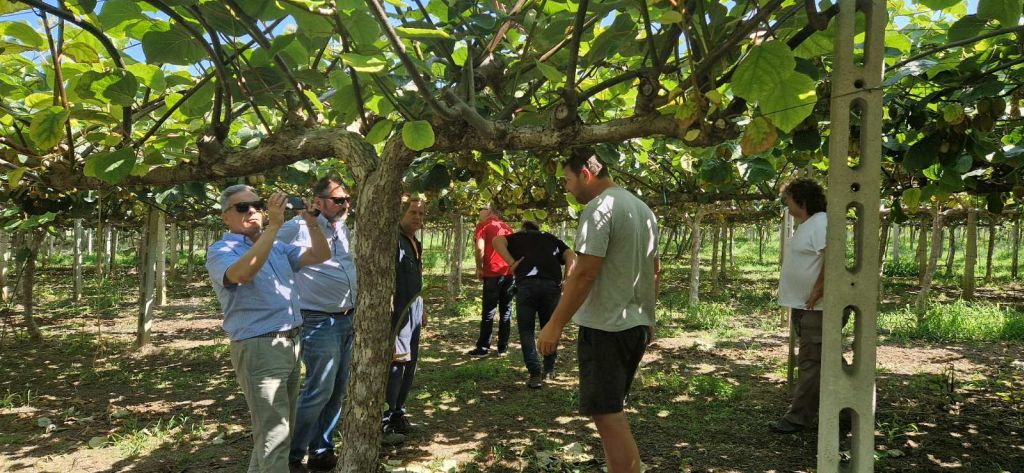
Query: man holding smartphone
point(328, 300)
point(254, 278)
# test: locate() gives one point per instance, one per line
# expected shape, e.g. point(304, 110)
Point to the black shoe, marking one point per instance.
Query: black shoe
point(478, 351)
point(402, 425)
point(325, 462)
point(297, 467)
point(536, 381)
point(783, 426)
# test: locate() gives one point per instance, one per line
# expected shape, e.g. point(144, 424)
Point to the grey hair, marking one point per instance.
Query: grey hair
point(225, 196)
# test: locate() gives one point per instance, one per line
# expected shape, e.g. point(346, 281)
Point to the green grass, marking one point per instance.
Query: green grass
point(15, 399)
point(957, 321)
point(134, 438)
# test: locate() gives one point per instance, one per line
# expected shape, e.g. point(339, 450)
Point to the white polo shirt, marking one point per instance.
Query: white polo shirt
point(801, 263)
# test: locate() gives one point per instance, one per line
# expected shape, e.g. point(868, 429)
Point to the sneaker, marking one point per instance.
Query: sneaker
point(393, 438)
point(478, 351)
point(297, 467)
point(783, 426)
point(502, 352)
point(325, 462)
point(402, 425)
point(550, 374)
point(536, 381)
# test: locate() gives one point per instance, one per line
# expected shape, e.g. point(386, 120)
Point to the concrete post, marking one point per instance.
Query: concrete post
point(854, 287)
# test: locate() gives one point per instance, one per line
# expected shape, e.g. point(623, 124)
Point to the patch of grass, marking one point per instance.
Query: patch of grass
point(958, 321)
point(11, 400)
point(706, 316)
point(136, 439)
point(699, 386)
point(905, 268)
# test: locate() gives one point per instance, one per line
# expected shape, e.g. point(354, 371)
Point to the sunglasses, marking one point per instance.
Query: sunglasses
point(243, 207)
point(339, 200)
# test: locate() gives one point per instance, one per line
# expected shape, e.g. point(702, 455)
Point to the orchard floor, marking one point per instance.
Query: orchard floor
point(85, 401)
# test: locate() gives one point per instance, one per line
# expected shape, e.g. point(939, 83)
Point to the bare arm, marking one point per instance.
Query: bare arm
point(245, 269)
point(570, 260)
point(478, 252)
point(500, 244)
point(818, 291)
point(576, 289)
point(321, 250)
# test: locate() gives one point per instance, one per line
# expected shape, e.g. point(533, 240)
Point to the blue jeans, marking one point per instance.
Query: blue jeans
point(497, 298)
point(327, 353)
point(536, 299)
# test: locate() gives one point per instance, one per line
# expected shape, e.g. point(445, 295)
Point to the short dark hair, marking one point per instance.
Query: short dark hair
point(806, 193)
point(320, 188)
point(409, 199)
point(584, 156)
point(531, 225)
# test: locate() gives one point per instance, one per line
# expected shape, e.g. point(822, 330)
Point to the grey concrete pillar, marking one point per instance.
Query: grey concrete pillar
point(852, 286)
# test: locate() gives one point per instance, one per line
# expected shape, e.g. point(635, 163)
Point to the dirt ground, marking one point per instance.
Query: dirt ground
point(85, 401)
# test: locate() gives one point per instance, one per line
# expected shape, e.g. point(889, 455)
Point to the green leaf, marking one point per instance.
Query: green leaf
point(150, 76)
point(790, 102)
point(670, 16)
point(939, 4)
point(7, 6)
point(460, 54)
point(115, 12)
point(24, 34)
point(759, 170)
point(421, 33)
point(364, 63)
point(922, 154)
point(200, 102)
point(912, 197)
point(818, 44)
point(418, 135)
point(897, 41)
point(966, 27)
point(363, 28)
point(552, 74)
point(438, 8)
point(111, 167)
point(764, 71)
point(1006, 12)
point(117, 87)
point(758, 137)
point(47, 127)
point(81, 52)
point(14, 177)
point(174, 46)
point(380, 131)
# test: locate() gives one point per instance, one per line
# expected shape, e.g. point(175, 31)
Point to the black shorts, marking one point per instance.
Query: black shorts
point(608, 362)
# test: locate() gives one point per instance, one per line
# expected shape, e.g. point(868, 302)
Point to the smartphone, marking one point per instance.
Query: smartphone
point(294, 202)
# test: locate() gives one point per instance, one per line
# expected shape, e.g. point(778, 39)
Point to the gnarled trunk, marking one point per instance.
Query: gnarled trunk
point(28, 282)
point(380, 189)
point(951, 255)
point(695, 257)
point(148, 255)
point(933, 261)
point(457, 254)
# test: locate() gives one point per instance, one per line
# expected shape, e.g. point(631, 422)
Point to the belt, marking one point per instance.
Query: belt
point(281, 334)
point(329, 314)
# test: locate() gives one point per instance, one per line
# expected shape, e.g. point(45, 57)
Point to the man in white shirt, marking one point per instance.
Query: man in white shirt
point(800, 288)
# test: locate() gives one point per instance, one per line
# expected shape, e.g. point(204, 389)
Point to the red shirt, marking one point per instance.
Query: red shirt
point(493, 265)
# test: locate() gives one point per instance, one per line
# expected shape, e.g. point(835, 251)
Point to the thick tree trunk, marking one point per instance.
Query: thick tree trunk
point(922, 251)
point(5, 246)
point(76, 292)
point(147, 276)
point(160, 286)
point(684, 242)
point(457, 254)
point(971, 257)
point(695, 257)
point(28, 282)
point(375, 263)
point(991, 249)
point(933, 261)
point(668, 240)
point(951, 255)
point(1016, 248)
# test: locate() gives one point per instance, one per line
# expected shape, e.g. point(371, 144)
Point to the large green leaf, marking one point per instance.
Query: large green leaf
point(939, 4)
point(150, 76)
point(81, 52)
point(200, 102)
point(363, 63)
point(47, 127)
point(1006, 12)
point(115, 12)
point(790, 101)
point(966, 27)
point(24, 33)
point(117, 87)
point(380, 131)
point(758, 136)
point(421, 33)
point(418, 135)
point(763, 71)
point(922, 154)
point(174, 46)
point(111, 167)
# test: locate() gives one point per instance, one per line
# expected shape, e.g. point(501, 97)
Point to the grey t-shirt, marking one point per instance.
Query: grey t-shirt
point(619, 227)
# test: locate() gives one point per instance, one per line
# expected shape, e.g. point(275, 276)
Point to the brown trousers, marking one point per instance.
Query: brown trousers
point(804, 409)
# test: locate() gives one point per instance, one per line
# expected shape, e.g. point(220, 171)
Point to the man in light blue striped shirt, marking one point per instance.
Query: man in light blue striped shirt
point(254, 278)
point(328, 298)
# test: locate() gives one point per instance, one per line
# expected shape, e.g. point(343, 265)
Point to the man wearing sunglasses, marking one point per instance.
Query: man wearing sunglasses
point(328, 300)
point(254, 277)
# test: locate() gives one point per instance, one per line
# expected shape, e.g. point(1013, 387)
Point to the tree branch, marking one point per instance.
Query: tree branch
point(954, 44)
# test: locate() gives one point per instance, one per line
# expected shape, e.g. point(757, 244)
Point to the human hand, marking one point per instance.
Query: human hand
point(308, 214)
point(480, 274)
point(516, 265)
point(812, 301)
point(275, 209)
point(548, 338)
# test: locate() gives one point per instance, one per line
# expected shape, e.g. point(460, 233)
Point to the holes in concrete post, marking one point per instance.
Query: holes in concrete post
point(855, 187)
point(847, 424)
point(860, 36)
point(849, 338)
point(854, 237)
point(857, 109)
point(858, 84)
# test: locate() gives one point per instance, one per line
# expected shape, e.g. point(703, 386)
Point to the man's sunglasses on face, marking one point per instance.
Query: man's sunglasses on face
point(339, 200)
point(243, 207)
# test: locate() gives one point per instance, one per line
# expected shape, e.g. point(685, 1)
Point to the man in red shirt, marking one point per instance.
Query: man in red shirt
point(497, 279)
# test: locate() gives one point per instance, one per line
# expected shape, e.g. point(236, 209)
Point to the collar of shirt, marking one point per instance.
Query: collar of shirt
point(231, 236)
